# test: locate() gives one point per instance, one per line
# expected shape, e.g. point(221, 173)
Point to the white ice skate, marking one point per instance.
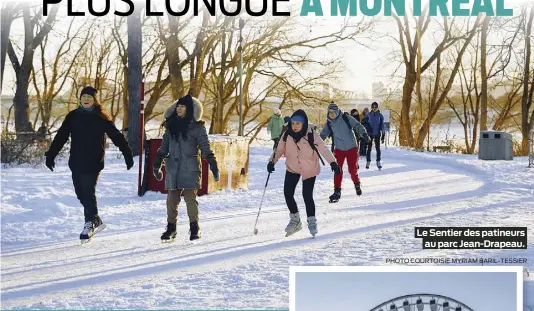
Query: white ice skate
point(312, 225)
point(294, 225)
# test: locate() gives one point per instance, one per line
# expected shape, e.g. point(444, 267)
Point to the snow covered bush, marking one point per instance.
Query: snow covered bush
point(29, 150)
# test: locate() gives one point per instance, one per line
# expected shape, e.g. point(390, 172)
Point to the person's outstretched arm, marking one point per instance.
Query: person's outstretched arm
point(325, 132)
point(60, 139)
point(118, 139)
point(359, 128)
point(323, 148)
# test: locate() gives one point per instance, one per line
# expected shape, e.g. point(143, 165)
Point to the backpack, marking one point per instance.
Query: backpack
point(346, 119)
point(311, 141)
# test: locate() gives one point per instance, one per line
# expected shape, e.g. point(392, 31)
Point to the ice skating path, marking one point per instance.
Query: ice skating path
point(126, 267)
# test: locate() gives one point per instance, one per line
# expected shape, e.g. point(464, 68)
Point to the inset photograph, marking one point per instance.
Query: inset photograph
point(421, 288)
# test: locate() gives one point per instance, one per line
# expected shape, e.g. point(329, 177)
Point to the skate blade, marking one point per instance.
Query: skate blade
point(293, 232)
point(333, 201)
point(167, 241)
point(99, 228)
point(85, 241)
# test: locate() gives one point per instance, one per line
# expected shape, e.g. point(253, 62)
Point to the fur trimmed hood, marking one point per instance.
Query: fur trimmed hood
point(198, 109)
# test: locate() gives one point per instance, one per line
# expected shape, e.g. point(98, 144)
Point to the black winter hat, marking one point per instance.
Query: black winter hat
point(353, 111)
point(89, 90)
point(187, 101)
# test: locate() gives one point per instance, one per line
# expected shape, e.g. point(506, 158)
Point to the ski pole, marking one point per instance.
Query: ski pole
point(261, 202)
point(267, 182)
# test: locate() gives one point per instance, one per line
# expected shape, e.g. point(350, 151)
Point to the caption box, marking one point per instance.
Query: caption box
point(472, 237)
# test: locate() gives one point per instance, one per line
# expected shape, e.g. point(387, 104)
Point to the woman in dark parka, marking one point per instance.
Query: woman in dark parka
point(87, 126)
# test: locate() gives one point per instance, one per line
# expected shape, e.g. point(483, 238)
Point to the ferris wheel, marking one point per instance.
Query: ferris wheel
point(422, 302)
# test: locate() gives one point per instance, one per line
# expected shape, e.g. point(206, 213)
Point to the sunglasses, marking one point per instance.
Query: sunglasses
point(331, 111)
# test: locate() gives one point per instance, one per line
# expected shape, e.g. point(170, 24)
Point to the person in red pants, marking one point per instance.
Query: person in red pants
point(341, 127)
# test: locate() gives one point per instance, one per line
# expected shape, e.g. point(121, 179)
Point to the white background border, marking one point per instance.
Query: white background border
point(416, 269)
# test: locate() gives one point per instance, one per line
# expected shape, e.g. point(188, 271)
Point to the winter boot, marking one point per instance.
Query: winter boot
point(294, 224)
point(98, 225)
point(368, 164)
point(379, 165)
point(334, 198)
point(358, 188)
point(170, 233)
point(88, 231)
point(312, 225)
point(194, 231)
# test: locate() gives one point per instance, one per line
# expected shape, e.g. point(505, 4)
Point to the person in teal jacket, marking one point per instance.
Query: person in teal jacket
point(275, 126)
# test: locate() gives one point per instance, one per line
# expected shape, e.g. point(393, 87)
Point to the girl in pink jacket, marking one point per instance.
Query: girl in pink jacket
point(301, 146)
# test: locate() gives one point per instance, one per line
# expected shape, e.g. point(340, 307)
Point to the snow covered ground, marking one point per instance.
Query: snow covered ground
point(126, 267)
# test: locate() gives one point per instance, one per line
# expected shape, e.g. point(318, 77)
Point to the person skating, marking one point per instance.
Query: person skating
point(365, 122)
point(356, 115)
point(376, 122)
point(275, 126)
point(184, 135)
point(341, 128)
point(86, 127)
point(302, 148)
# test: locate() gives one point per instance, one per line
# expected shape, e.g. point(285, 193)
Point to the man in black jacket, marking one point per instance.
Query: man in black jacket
point(87, 126)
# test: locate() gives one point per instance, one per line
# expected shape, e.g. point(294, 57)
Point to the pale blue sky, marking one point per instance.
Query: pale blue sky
point(361, 291)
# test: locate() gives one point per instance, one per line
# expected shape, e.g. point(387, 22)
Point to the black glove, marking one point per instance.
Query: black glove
point(270, 167)
point(129, 161)
point(158, 174)
point(49, 162)
point(383, 137)
point(214, 170)
point(335, 168)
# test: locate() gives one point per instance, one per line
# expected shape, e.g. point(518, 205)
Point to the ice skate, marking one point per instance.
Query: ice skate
point(170, 233)
point(368, 164)
point(334, 198)
point(294, 225)
point(379, 165)
point(358, 188)
point(194, 231)
point(312, 225)
point(98, 225)
point(87, 232)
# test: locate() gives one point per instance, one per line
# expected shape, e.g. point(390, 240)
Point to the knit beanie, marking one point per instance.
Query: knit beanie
point(89, 90)
point(333, 106)
point(298, 118)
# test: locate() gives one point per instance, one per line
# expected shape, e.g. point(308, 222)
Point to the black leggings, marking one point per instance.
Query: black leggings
point(290, 184)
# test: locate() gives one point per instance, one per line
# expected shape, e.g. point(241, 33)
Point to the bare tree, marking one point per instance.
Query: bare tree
point(53, 74)
point(527, 116)
point(135, 72)
point(270, 52)
point(35, 31)
point(9, 12)
point(409, 47)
